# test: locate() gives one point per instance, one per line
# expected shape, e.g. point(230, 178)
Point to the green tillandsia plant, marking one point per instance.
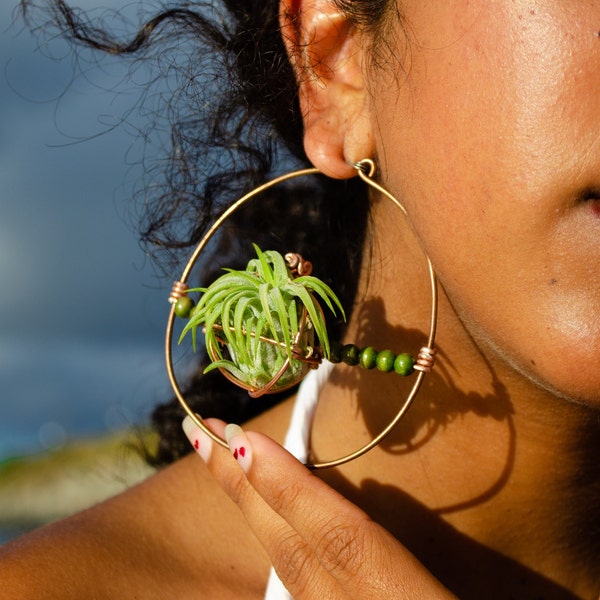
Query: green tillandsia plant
point(260, 324)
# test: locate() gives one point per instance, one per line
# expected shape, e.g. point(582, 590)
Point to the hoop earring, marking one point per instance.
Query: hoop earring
point(297, 350)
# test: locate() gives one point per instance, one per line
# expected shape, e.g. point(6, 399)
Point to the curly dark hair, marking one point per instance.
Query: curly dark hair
point(234, 120)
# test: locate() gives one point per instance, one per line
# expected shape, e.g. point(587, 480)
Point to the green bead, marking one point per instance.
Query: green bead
point(404, 364)
point(385, 361)
point(335, 352)
point(183, 307)
point(366, 357)
point(350, 354)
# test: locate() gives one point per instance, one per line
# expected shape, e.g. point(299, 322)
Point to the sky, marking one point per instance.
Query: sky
point(82, 309)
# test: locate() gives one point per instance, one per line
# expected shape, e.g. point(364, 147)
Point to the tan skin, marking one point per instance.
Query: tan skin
point(487, 129)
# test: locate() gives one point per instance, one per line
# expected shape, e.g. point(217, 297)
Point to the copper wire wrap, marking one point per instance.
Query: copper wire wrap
point(312, 358)
point(179, 290)
point(425, 359)
point(298, 266)
point(424, 363)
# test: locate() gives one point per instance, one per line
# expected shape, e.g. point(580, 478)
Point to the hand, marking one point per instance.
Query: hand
point(321, 545)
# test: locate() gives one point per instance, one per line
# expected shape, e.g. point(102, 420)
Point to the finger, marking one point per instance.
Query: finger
point(292, 558)
point(361, 556)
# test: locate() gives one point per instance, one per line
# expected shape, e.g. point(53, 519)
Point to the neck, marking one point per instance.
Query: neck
point(484, 454)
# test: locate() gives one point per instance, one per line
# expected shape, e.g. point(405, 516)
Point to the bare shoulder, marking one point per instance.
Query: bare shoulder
point(176, 535)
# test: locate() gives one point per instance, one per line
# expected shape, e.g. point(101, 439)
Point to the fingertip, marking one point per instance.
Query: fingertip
point(217, 426)
point(240, 446)
point(200, 441)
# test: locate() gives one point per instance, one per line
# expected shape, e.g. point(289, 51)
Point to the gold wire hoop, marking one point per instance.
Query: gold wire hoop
point(366, 170)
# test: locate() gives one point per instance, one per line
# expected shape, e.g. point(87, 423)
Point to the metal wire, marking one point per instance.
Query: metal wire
point(366, 170)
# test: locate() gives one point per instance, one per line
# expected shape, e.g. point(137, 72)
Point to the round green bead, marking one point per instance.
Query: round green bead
point(183, 307)
point(367, 357)
point(335, 352)
point(385, 361)
point(404, 364)
point(350, 354)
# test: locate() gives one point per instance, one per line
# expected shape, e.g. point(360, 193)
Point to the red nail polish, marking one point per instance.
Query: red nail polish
point(239, 445)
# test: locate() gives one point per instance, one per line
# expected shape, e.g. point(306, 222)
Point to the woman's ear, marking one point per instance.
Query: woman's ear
point(327, 56)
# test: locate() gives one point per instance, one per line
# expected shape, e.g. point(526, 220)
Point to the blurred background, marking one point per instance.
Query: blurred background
point(82, 310)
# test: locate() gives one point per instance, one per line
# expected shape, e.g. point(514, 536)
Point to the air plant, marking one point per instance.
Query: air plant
point(264, 327)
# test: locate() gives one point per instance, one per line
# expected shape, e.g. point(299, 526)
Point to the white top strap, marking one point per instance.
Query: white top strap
point(297, 442)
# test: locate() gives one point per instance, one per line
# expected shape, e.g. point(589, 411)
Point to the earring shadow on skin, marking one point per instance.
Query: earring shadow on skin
point(431, 411)
point(468, 568)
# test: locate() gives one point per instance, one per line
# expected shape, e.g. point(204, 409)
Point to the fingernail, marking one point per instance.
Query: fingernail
point(239, 446)
point(200, 441)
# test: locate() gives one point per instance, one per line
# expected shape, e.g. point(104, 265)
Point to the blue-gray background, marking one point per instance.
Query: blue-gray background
point(81, 308)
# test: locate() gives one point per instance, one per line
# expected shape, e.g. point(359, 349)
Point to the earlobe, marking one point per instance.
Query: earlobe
point(326, 54)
